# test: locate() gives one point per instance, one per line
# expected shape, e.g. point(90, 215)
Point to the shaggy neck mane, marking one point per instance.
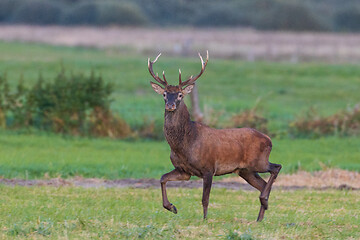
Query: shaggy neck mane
point(178, 128)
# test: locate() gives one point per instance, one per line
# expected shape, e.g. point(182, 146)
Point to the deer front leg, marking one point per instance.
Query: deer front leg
point(207, 182)
point(174, 175)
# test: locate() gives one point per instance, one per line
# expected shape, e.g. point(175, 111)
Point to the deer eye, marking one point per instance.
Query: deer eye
point(164, 94)
point(180, 95)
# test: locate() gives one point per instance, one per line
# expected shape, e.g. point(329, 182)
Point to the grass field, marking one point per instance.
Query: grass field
point(33, 156)
point(78, 213)
point(287, 90)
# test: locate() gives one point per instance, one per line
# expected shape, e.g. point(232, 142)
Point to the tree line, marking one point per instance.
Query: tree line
point(293, 15)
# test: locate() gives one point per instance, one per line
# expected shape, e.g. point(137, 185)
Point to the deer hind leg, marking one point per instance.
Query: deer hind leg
point(257, 182)
point(174, 175)
point(253, 179)
point(274, 170)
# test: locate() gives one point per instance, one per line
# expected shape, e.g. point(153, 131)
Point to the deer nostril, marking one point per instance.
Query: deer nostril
point(170, 106)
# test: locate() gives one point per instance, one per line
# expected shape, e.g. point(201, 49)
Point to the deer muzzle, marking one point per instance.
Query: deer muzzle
point(170, 107)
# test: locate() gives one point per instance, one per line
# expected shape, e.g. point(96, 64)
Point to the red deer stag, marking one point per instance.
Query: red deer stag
point(198, 150)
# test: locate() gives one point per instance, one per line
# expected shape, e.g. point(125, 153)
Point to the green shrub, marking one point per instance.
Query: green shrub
point(63, 105)
point(249, 118)
point(103, 123)
point(4, 96)
point(72, 104)
point(151, 129)
point(12, 104)
point(37, 12)
point(343, 123)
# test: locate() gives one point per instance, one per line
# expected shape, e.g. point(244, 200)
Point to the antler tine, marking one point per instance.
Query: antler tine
point(151, 71)
point(180, 82)
point(157, 57)
point(164, 77)
point(192, 79)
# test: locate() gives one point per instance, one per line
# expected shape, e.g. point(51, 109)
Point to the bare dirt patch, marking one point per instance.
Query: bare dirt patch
point(321, 180)
point(244, 44)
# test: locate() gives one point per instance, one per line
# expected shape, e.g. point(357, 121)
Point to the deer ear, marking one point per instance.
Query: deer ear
point(157, 88)
point(188, 89)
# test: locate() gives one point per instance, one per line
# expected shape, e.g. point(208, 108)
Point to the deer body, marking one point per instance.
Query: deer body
point(198, 150)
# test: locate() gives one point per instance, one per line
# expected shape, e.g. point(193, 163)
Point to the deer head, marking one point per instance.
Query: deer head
point(173, 95)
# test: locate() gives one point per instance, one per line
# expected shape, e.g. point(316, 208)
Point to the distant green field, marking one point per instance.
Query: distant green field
point(78, 213)
point(33, 156)
point(287, 90)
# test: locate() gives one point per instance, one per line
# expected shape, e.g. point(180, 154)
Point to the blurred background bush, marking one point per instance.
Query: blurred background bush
point(295, 15)
point(70, 104)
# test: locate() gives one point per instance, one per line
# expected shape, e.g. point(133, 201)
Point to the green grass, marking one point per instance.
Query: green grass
point(33, 156)
point(227, 86)
point(78, 213)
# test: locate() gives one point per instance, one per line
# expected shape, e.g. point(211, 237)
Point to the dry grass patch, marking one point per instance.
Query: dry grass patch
point(333, 178)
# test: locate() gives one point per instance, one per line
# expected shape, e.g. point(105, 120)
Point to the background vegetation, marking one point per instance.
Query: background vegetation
point(74, 104)
point(295, 15)
point(282, 99)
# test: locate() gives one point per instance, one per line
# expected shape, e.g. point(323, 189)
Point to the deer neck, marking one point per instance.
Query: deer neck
point(178, 128)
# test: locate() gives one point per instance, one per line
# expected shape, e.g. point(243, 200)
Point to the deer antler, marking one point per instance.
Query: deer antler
point(156, 77)
point(192, 79)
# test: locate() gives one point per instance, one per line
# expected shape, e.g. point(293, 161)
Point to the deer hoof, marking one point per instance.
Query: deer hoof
point(260, 218)
point(261, 214)
point(173, 209)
